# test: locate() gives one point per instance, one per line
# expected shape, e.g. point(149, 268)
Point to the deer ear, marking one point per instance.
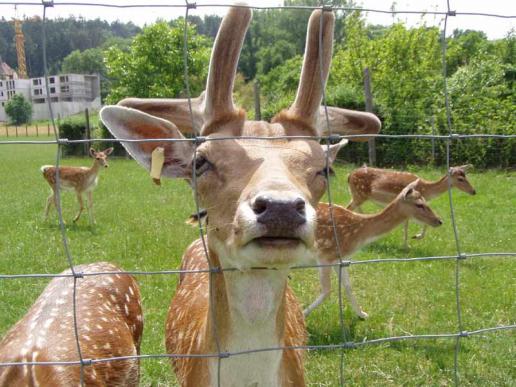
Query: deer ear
point(92, 152)
point(130, 124)
point(466, 167)
point(333, 150)
point(108, 151)
point(409, 190)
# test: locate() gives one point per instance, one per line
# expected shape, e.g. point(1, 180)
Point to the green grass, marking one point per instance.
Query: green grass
point(141, 227)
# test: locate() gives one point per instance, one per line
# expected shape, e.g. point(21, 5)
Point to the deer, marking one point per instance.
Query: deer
point(355, 230)
point(109, 324)
point(79, 179)
point(382, 185)
point(260, 194)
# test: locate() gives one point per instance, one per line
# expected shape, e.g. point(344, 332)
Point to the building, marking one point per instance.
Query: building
point(69, 94)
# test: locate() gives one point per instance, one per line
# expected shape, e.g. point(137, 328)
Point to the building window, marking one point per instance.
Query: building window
point(65, 89)
point(63, 78)
point(54, 99)
point(37, 92)
point(36, 81)
point(1, 84)
point(52, 90)
point(52, 80)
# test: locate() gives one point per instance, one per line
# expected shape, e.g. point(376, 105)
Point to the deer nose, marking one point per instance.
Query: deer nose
point(277, 213)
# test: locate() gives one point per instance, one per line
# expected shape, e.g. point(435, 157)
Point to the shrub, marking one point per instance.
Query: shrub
point(73, 128)
point(19, 110)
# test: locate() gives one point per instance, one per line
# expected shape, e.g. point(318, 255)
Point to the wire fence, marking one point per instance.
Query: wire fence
point(345, 344)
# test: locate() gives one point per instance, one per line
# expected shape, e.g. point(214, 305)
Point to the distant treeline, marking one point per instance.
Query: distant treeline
point(63, 37)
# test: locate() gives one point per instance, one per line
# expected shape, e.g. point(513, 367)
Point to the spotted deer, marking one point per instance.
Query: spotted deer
point(109, 323)
point(79, 179)
point(382, 186)
point(260, 196)
point(355, 231)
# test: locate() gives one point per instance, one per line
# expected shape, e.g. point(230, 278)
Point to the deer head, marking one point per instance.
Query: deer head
point(259, 193)
point(414, 205)
point(459, 179)
point(101, 156)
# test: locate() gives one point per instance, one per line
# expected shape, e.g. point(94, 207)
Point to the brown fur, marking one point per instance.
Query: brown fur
point(109, 319)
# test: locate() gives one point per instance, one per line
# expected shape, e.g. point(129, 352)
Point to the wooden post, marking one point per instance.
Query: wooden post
point(369, 107)
point(7, 129)
point(37, 131)
point(433, 139)
point(87, 134)
point(16, 130)
point(26, 131)
point(257, 108)
point(48, 129)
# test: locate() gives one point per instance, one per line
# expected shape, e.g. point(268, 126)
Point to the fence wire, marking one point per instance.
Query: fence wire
point(331, 138)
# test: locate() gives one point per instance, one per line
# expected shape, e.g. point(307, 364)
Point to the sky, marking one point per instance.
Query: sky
point(495, 28)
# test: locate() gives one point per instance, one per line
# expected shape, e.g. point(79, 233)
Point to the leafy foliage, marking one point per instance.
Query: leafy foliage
point(153, 65)
point(19, 110)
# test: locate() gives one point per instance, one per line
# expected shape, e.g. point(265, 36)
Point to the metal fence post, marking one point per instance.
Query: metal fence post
point(369, 107)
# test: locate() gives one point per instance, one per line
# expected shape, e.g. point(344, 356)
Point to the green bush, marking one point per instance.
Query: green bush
point(18, 110)
point(73, 128)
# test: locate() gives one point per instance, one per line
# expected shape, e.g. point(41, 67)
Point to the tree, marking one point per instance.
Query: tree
point(89, 61)
point(153, 65)
point(18, 110)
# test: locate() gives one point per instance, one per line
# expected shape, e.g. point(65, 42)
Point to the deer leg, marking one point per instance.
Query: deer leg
point(81, 206)
point(405, 235)
point(346, 281)
point(90, 207)
point(50, 199)
point(325, 279)
point(421, 235)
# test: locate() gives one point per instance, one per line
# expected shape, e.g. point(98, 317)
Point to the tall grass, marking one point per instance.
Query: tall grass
point(141, 227)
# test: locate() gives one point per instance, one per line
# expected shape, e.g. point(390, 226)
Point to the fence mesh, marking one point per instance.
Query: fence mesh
point(345, 343)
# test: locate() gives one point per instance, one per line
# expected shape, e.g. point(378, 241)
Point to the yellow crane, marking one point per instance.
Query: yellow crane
point(20, 49)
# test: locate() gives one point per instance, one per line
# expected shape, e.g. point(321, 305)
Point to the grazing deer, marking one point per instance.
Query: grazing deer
point(79, 179)
point(260, 196)
point(382, 186)
point(109, 323)
point(357, 230)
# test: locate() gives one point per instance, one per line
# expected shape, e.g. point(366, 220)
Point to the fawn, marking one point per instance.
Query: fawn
point(382, 186)
point(80, 179)
point(109, 322)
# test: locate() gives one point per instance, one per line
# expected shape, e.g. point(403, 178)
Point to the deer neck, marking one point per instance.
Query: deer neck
point(374, 226)
point(247, 313)
point(431, 189)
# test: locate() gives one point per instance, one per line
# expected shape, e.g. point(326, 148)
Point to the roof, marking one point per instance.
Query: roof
point(6, 71)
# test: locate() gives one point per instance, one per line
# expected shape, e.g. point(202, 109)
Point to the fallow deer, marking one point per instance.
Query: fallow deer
point(109, 323)
point(79, 179)
point(355, 230)
point(383, 185)
point(260, 196)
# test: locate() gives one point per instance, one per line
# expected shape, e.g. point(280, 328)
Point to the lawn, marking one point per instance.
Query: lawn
point(141, 227)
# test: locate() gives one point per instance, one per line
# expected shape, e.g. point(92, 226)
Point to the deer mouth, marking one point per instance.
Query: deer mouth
point(277, 242)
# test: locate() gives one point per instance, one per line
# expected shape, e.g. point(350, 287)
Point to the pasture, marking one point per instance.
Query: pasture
point(141, 227)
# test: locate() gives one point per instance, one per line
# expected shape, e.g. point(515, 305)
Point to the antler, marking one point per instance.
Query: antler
point(223, 64)
point(313, 77)
point(216, 103)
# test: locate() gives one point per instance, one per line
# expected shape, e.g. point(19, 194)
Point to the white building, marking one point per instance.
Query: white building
point(69, 94)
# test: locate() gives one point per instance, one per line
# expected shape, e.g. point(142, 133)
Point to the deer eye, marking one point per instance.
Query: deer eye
point(326, 172)
point(202, 165)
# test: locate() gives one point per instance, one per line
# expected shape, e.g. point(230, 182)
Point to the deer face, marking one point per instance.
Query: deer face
point(101, 156)
point(459, 180)
point(415, 206)
point(259, 193)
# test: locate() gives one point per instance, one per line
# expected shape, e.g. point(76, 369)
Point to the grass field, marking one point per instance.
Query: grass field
point(141, 227)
